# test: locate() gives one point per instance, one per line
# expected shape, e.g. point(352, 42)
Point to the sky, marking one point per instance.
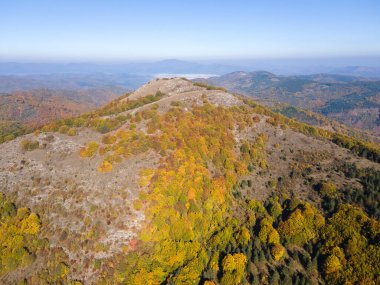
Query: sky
point(112, 30)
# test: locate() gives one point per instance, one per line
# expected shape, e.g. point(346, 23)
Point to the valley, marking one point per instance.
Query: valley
point(349, 100)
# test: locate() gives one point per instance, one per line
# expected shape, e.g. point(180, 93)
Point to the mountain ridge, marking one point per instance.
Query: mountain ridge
point(151, 182)
point(346, 99)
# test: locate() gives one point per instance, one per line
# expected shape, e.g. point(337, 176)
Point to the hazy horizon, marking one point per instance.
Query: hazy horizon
point(342, 60)
point(367, 67)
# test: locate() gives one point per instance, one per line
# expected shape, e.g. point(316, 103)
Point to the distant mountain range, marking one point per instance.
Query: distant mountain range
point(175, 66)
point(352, 100)
point(71, 81)
point(140, 68)
point(364, 71)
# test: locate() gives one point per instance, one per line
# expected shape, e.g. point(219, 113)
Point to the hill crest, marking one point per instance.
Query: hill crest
point(160, 170)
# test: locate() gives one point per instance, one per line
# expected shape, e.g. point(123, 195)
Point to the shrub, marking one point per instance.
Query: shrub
point(72, 132)
point(8, 138)
point(209, 87)
point(108, 139)
point(63, 129)
point(89, 150)
point(29, 145)
point(105, 166)
point(59, 272)
point(104, 126)
point(137, 204)
point(327, 189)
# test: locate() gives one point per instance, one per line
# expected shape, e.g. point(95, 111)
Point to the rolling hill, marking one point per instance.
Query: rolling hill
point(71, 81)
point(22, 111)
point(185, 183)
point(353, 101)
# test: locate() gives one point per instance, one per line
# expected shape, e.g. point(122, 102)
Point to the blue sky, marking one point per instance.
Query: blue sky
point(84, 30)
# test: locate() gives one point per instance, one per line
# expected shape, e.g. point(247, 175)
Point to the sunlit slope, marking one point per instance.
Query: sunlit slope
point(182, 183)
